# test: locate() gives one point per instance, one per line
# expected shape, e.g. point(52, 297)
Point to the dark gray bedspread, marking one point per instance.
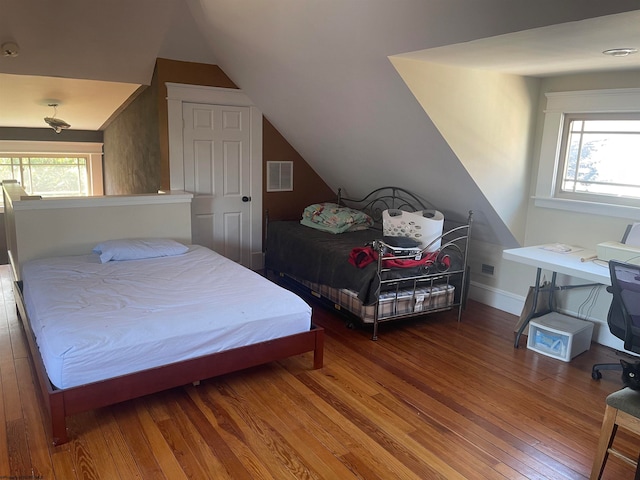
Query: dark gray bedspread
point(323, 258)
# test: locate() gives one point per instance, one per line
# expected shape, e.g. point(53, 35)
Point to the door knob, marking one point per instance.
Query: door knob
point(246, 199)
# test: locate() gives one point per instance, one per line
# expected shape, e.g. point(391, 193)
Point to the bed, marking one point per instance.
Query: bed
point(390, 286)
point(115, 324)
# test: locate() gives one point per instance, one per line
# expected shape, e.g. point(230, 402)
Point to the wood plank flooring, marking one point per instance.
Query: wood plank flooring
point(432, 399)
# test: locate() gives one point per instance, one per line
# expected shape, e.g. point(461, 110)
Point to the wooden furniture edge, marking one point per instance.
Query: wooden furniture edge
point(61, 403)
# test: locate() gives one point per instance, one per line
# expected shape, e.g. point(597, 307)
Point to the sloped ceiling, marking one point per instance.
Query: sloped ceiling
point(484, 96)
point(89, 57)
point(319, 70)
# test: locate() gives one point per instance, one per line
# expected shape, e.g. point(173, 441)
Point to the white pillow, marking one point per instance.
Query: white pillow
point(138, 248)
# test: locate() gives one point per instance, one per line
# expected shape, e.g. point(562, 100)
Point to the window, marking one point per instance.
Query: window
point(589, 156)
point(47, 176)
point(599, 158)
point(53, 169)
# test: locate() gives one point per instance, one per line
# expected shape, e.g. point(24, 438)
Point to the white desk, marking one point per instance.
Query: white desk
point(565, 263)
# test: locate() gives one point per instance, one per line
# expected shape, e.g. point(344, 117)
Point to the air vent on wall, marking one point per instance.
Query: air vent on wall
point(279, 176)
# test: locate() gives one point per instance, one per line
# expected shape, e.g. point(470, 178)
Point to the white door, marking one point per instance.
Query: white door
point(217, 170)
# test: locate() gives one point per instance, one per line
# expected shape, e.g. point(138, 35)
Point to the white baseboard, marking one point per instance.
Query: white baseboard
point(500, 299)
point(511, 303)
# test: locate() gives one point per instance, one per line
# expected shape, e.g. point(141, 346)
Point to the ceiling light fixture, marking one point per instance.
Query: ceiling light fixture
point(10, 49)
point(620, 52)
point(56, 123)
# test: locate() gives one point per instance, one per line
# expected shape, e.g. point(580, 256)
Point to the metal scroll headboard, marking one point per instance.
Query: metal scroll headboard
point(385, 198)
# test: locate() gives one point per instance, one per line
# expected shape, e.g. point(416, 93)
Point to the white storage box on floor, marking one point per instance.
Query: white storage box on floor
point(559, 336)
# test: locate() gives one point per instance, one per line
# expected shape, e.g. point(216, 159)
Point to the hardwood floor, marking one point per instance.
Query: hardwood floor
point(431, 399)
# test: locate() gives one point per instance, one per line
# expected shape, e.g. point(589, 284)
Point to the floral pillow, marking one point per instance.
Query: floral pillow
point(334, 218)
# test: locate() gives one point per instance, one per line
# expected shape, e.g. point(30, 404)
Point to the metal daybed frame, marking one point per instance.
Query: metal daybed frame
point(454, 242)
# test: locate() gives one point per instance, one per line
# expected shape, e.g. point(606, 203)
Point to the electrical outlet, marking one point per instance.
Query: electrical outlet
point(487, 269)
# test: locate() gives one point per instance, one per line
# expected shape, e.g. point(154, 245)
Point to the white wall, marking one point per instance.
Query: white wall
point(46, 227)
point(488, 119)
point(507, 288)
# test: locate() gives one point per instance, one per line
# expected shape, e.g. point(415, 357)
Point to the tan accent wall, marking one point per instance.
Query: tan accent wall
point(308, 187)
point(131, 148)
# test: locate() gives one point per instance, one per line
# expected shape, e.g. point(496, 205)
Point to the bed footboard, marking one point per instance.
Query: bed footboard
point(61, 403)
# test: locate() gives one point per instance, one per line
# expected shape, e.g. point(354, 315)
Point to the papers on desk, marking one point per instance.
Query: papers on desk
point(561, 248)
point(565, 264)
point(566, 249)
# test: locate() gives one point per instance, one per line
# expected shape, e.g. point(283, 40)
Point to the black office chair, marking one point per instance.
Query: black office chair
point(624, 314)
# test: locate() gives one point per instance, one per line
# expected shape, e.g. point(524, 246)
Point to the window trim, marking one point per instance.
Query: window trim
point(92, 150)
point(560, 164)
point(625, 100)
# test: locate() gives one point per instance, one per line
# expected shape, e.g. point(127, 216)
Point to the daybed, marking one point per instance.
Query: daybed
point(394, 286)
point(101, 333)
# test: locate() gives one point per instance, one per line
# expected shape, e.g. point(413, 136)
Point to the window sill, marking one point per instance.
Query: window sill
point(592, 208)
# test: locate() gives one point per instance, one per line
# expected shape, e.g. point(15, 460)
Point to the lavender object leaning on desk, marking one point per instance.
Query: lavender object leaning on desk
point(566, 263)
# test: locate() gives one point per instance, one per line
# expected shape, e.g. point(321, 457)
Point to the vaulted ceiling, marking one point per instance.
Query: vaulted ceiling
point(320, 70)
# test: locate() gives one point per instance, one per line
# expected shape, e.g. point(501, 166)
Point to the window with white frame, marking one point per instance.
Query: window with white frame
point(600, 158)
point(590, 152)
point(51, 176)
point(53, 169)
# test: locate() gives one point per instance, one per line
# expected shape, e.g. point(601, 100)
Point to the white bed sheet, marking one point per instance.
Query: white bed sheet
point(94, 321)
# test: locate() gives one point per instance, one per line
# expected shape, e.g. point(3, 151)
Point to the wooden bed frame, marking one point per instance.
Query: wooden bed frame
point(61, 403)
point(33, 231)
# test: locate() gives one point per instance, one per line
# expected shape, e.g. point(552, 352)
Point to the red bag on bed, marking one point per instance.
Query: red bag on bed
point(427, 259)
point(362, 256)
